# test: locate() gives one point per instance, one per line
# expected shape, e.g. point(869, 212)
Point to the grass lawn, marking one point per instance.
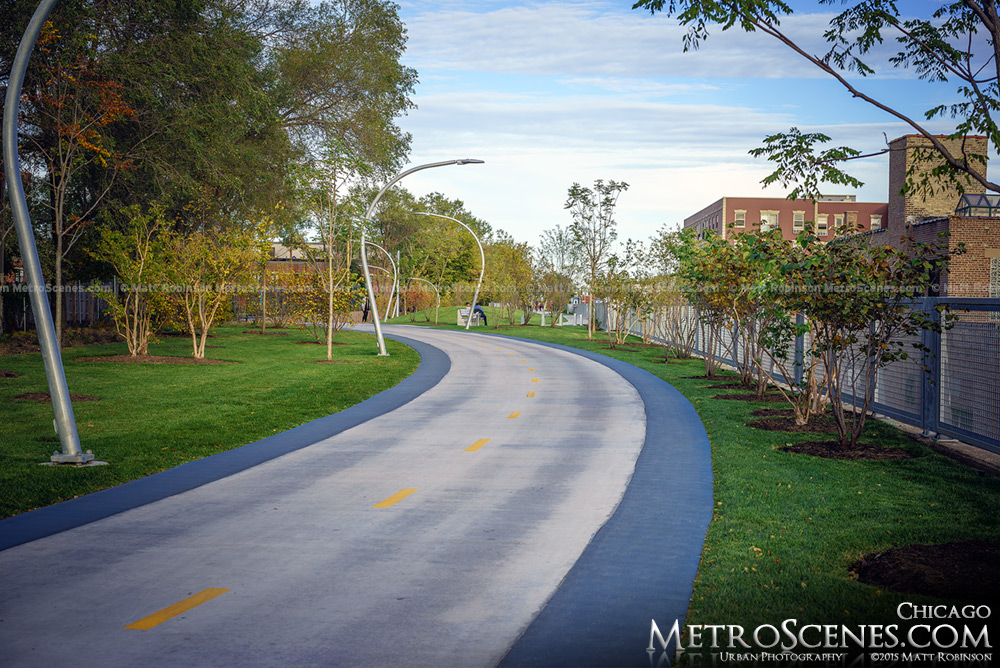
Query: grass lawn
point(151, 417)
point(787, 527)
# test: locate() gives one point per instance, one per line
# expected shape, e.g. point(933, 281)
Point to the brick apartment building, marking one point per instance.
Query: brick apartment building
point(831, 215)
point(968, 216)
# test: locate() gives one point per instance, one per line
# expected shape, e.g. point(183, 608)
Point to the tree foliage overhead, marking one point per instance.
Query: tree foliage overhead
point(959, 43)
point(208, 108)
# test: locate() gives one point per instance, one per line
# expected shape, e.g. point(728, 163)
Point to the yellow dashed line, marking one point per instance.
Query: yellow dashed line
point(395, 498)
point(172, 611)
point(514, 415)
point(524, 360)
point(535, 380)
point(478, 444)
point(531, 368)
point(531, 395)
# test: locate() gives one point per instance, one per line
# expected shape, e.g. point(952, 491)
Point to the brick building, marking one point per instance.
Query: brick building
point(831, 215)
point(972, 219)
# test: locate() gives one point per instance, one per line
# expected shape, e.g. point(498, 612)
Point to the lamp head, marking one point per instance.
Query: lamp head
point(469, 161)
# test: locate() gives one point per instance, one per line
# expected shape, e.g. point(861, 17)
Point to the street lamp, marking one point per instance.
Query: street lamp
point(395, 273)
point(368, 217)
point(436, 291)
point(65, 422)
point(482, 266)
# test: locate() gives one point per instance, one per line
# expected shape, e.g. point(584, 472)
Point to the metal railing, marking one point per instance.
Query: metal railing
point(953, 390)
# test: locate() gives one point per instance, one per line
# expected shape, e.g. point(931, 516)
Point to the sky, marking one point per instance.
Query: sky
point(552, 93)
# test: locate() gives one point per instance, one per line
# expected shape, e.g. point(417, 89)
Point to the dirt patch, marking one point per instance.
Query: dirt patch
point(786, 423)
point(8, 374)
point(767, 398)
point(964, 570)
point(332, 362)
point(44, 398)
point(150, 359)
point(860, 452)
point(621, 348)
point(254, 331)
point(18, 343)
point(730, 386)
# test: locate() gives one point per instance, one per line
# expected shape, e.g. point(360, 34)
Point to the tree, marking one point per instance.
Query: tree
point(624, 293)
point(69, 112)
point(205, 269)
point(510, 276)
point(593, 228)
point(137, 254)
point(947, 47)
point(858, 295)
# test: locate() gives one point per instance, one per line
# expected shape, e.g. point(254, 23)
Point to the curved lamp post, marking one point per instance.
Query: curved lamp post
point(436, 291)
point(368, 217)
point(65, 422)
point(482, 257)
point(395, 273)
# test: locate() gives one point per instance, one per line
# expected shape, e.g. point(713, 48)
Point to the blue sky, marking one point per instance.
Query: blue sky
point(550, 93)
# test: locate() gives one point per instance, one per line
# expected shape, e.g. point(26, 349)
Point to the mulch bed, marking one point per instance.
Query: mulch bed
point(729, 386)
point(833, 450)
point(44, 398)
point(150, 359)
point(964, 570)
point(787, 423)
point(768, 398)
point(8, 374)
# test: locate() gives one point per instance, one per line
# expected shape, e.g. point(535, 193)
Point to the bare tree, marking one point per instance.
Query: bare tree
point(593, 228)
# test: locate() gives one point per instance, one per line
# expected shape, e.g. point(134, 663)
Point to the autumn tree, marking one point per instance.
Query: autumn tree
point(205, 269)
point(68, 112)
point(956, 44)
point(594, 228)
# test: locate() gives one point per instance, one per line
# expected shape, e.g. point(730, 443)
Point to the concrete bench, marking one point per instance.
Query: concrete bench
point(463, 313)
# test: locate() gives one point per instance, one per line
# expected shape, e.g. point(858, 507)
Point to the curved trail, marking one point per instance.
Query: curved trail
point(431, 534)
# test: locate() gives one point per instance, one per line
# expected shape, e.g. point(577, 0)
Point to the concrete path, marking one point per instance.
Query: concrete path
point(431, 535)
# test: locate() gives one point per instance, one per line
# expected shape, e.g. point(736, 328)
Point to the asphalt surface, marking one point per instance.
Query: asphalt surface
point(441, 523)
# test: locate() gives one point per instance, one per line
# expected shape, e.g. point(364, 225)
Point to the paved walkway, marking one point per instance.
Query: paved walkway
point(425, 527)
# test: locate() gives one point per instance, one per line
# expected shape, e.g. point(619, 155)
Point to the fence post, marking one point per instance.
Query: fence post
point(930, 386)
point(800, 346)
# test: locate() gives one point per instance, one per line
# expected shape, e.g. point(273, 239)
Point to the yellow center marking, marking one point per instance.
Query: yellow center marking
point(510, 353)
point(531, 368)
point(497, 348)
point(172, 611)
point(524, 360)
point(531, 395)
point(395, 498)
point(478, 444)
point(534, 380)
point(513, 415)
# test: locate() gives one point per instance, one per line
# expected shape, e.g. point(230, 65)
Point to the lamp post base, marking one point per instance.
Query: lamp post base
point(81, 459)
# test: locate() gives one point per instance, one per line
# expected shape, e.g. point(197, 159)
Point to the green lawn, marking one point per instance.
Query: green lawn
point(787, 527)
point(151, 417)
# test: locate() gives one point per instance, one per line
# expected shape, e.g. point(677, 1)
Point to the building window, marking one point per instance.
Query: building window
point(876, 221)
point(838, 223)
point(741, 219)
point(798, 221)
point(768, 220)
point(822, 224)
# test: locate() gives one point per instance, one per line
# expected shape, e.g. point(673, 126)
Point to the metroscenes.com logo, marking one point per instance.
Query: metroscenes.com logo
point(944, 635)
